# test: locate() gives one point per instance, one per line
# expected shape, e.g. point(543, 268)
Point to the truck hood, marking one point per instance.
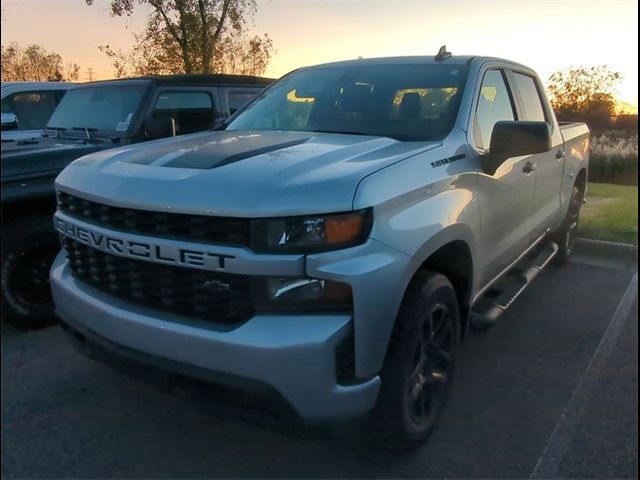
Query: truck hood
point(230, 173)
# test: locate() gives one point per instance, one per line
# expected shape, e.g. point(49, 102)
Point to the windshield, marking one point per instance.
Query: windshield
point(101, 108)
point(402, 101)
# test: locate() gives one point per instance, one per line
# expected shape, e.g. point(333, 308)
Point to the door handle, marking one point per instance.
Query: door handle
point(529, 167)
point(560, 154)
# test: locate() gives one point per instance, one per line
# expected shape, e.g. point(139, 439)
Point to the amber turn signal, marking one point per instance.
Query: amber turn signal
point(343, 228)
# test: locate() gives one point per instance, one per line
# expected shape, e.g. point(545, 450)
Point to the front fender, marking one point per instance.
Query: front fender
point(379, 275)
point(452, 233)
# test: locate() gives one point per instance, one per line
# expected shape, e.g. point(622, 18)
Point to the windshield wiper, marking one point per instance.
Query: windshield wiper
point(58, 130)
point(394, 137)
point(341, 132)
point(87, 130)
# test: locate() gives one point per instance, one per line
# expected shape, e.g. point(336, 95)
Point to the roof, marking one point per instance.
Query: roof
point(427, 60)
point(455, 60)
point(191, 79)
point(222, 79)
point(33, 86)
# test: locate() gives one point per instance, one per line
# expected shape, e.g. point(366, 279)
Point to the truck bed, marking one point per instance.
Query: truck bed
point(573, 130)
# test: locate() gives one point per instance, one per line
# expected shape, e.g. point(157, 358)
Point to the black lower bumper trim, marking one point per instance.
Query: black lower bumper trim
point(104, 350)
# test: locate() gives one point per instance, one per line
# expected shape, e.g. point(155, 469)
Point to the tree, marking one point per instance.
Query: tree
point(35, 64)
point(191, 36)
point(586, 94)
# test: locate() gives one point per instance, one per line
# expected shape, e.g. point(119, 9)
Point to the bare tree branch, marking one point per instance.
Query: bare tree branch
point(192, 36)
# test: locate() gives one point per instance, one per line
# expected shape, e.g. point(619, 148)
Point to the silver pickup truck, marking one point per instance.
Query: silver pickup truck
point(333, 241)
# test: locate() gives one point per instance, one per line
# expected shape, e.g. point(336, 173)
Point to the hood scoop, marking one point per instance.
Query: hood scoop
point(229, 149)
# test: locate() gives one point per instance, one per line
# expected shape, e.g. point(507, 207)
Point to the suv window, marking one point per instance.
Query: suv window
point(238, 99)
point(191, 111)
point(33, 109)
point(494, 105)
point(530, 97)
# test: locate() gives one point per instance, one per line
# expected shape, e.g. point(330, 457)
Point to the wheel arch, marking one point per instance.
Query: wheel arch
point(451, 253)
point(454, 261)
point(581, 181)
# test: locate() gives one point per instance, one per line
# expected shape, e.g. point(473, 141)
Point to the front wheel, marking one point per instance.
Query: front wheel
point(565, 236)
point(420, 362)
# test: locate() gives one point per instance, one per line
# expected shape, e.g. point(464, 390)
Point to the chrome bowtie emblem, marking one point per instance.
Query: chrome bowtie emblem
point(216, 285)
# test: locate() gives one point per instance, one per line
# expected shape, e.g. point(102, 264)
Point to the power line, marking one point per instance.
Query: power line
point(90, 74)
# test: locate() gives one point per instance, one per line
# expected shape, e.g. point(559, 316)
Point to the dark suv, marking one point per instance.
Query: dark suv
point(91, 117)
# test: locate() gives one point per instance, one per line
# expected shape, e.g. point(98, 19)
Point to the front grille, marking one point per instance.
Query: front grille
point(179, 226)
point(215, 297)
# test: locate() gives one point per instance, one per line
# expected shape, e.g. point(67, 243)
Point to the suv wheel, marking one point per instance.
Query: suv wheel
point(28, 250)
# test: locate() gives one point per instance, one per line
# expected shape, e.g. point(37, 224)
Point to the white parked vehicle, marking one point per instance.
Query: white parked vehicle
point(27, 106)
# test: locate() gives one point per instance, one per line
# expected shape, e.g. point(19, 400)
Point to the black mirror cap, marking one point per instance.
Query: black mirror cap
point(511, 139)
point(159, 127)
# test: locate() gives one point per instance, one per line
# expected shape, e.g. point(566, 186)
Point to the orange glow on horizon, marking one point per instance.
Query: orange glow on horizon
point(598, 32)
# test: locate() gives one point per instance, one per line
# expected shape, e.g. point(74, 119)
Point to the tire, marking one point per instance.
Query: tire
point(565, 236)
point(29, 247)
point(419, 365)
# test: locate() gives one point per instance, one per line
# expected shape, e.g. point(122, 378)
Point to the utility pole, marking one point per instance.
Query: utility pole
point(90, 74)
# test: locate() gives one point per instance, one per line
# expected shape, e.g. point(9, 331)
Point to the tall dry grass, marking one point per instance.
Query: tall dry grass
point(614, 158)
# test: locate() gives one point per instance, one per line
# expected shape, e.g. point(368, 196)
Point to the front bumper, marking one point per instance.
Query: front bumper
point(294, 354)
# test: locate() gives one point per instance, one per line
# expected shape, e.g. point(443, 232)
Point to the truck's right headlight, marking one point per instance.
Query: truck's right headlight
point(315, 233)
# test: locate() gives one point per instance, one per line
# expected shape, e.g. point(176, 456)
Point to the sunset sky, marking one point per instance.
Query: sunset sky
point(546, 35)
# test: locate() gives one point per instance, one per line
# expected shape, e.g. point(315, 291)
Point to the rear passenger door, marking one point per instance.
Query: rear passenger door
point(548, 165)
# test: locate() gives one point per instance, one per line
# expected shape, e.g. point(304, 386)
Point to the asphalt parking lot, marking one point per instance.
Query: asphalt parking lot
point(551, 391)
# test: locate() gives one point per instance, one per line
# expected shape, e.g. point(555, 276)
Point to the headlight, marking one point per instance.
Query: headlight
point(301, 294)
point(310, 234)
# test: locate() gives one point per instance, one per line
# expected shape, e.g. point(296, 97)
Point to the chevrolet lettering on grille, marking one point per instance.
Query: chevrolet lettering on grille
point(143, 250)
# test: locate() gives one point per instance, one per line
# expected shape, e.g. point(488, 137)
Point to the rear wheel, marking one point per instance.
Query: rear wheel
point(28, 249)
point(565, 236)
point(420, 362)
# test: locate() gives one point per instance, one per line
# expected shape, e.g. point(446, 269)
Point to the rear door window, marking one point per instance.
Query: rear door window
point(530, 96)
point(192, 111)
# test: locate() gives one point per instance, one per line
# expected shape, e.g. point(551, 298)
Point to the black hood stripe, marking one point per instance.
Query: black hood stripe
point(235, 151)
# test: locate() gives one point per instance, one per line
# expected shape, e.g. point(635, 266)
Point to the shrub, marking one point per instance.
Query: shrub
point(614, 158)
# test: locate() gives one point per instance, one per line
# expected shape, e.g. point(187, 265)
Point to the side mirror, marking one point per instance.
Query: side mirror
point(512, 139)
point(9, 121)
point(159, 127)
